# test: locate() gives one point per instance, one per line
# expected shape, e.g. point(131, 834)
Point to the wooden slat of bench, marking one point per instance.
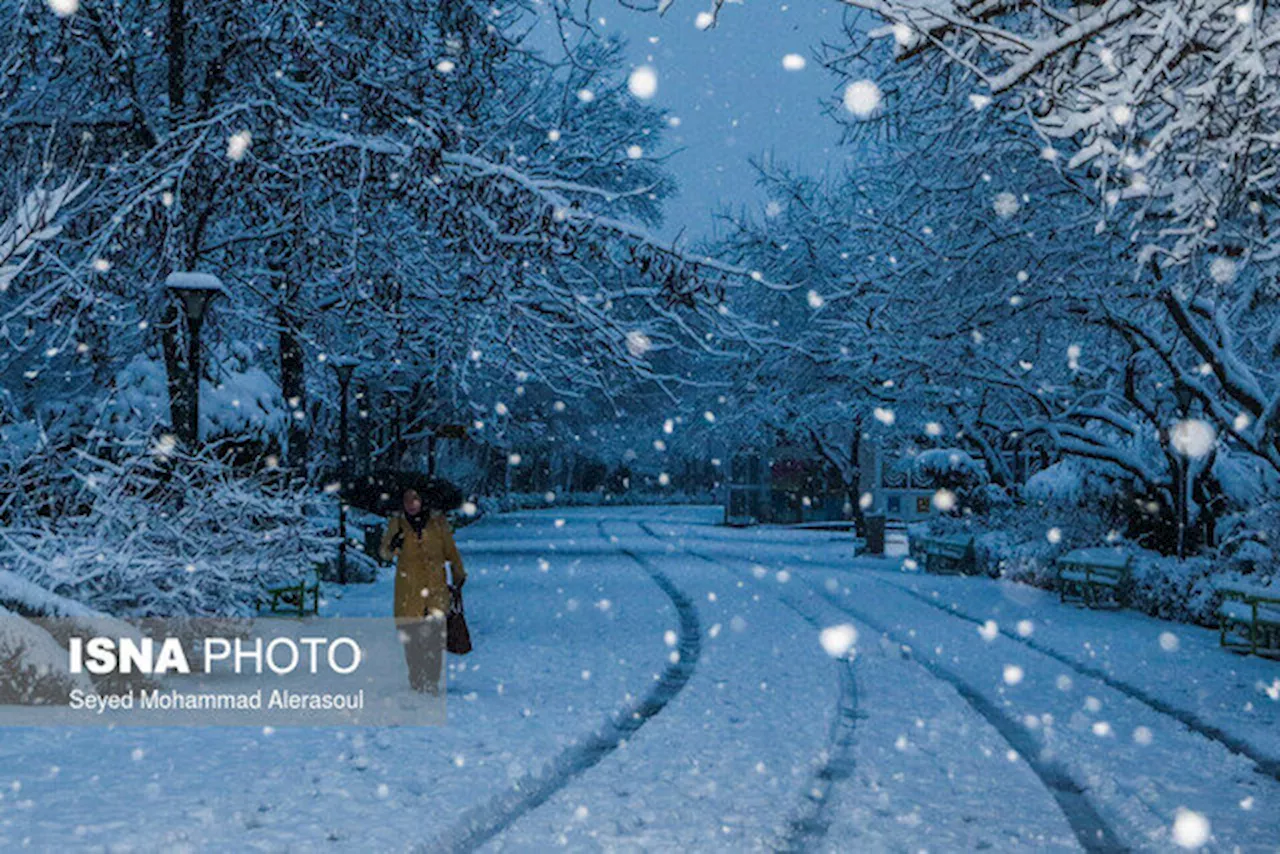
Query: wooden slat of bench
point(1234, 609)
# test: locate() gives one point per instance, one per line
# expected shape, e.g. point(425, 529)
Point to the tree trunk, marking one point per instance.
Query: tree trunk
point(293, 386)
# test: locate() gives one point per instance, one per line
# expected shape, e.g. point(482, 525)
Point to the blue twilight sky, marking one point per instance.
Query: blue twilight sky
point(734, 99)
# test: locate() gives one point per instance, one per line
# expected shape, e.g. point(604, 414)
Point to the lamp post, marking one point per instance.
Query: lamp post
point(1182, 393)
point(399, 396)
point(343, 368)
point(196, 291)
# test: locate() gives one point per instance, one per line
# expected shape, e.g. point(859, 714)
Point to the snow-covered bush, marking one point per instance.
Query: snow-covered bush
point(1060, 483)
point(34, 665)
point(159, 534)
point(242, 406)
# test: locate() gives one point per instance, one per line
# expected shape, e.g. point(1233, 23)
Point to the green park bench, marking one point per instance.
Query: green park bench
point(949, 555)
point(1249, 619)
point(292, 599)
point(1094, 577)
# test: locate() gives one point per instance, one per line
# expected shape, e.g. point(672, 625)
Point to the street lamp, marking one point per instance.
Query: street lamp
point(399, 395)
point(196, 291)
point(343, 368)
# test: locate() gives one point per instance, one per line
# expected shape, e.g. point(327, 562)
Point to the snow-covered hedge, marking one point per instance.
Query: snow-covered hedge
point(1021, 542)
point(157, 534)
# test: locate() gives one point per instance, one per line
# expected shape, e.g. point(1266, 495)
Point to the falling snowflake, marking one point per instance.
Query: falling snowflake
point(638, 343)
point(980, 102)
point(1054, 535)
point(793, 62)
point(1222, 270)
point(643, 83)
point(1192, 437)
point(862, 98)
point(1122, 114)
point(884, 416)
point(815, 299)
point(1012, 674)
point(944, 500)
point(1073, 357)
point(64, 8)
point(1190, 828)
point(704, 20)
point(989, 630)
point(238, 144)
point(838, 640)
point(1169, 642)
point(586, 96)
point(165, 445)
point(1006, 205)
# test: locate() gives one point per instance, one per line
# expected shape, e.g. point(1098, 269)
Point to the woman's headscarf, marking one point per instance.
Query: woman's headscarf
point(417, 520)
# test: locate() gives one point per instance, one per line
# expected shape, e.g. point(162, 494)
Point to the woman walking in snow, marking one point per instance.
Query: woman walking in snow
point(422, 542)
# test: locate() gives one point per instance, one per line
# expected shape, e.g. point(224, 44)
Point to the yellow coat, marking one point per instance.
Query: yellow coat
point(421, 583)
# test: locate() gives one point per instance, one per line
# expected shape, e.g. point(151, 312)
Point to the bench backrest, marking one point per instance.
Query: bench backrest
point(1097, 559)
point(1245, 593)
point(949, 546)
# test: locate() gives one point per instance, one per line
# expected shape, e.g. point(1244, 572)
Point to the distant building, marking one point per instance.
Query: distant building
point(889, 493)
point(784, 484)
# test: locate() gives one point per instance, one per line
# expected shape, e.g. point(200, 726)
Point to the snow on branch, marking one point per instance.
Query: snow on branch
point(34, 220)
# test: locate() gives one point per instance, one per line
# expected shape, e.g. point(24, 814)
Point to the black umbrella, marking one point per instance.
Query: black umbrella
point(436, 493)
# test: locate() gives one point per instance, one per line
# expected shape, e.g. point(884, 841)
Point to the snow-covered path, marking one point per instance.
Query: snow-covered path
point(645, 680)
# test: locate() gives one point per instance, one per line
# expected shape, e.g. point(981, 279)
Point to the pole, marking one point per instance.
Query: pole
point(1183, 489)
point(193, 382)
point(342, 478)
point(397, 452)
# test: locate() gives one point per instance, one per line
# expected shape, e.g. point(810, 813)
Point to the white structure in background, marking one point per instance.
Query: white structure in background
point(895, 498)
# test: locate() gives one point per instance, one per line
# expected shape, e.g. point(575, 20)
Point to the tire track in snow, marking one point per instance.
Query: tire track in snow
point(1091, 830)
point(482, 824)
point(1264, 764)
point(810, 822)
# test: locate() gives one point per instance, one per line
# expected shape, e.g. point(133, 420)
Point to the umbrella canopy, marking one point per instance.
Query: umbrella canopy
point(436, 493)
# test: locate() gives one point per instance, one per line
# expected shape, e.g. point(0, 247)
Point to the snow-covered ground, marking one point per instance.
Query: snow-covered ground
point(645, 680)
